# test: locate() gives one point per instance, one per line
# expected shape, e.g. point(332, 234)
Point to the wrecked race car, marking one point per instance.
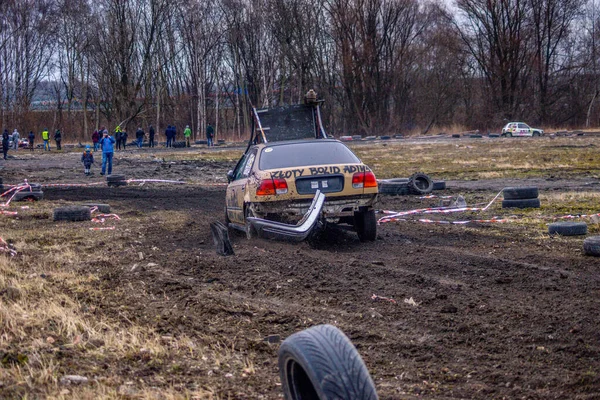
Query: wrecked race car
point(286, 189)
point(278, 182)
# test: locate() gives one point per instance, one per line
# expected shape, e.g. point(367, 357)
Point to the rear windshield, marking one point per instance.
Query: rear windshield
point(305, 154)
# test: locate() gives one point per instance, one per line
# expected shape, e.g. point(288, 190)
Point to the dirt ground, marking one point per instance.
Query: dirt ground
point(499, 311)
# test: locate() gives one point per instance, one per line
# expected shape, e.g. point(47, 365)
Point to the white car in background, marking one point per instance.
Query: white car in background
point(520, 129)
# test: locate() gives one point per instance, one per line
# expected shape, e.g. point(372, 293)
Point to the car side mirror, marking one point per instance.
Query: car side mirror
point(230, 175)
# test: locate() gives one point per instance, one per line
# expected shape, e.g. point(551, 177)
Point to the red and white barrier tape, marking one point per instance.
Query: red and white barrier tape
point(100, 218)
point(102, 228)
point(6, 248)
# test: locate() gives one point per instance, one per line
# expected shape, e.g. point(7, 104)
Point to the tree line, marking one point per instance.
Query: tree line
point(382, 66)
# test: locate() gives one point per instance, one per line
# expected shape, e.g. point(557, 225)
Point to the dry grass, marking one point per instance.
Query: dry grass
point(53, 323)
point(484, 158)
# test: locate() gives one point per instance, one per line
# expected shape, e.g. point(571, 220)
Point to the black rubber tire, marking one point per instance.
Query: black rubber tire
point(201, 141)
point(493, 135)
point(591, 246)
point(518, 193)
point(179, 145)
point(385, 137)
point(27, 195)
point(456, 136)
point(72, 213)
point(365, 224)
point(398, 186)
point(399, 136)
point(420, 183)
point(102, 208)
point(521, 203)
point(568, 228)
point(321, 363)
point(476, 136)
point(439, 185)
point(508, 134)
point(116, 180)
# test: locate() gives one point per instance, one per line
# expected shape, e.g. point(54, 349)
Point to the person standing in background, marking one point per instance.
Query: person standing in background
point(57, 139)
point(151, 136)
point(46, 139)
point(210, 133)
point(139, 137)
point(95, 139)
point(187, 134)
point(15, 138)
point(31, 138)
point(5, 143)
point(106, 144)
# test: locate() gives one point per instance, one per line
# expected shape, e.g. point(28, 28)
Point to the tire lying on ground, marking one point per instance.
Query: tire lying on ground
point(116, 180)
point(27, 195)
point(103, 208)
point(179, 145)
point(567, 228)
point(385, 137)
point(420, 183)
point(393, 186)
point(439, 185)
point(516, 193)
point(591, 246)
point(72, 213)
point(521, 203)
point(456, 136)
point(321, 363)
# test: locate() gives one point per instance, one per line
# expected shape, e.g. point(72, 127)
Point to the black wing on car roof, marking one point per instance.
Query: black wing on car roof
point(288, 123)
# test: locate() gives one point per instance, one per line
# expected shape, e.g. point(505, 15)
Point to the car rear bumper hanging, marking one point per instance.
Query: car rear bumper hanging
point(298, 232)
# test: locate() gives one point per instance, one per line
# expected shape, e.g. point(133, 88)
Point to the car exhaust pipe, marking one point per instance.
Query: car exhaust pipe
point(295, 233)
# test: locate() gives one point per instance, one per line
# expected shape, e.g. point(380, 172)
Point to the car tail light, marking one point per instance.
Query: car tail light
point(270, 187)
point(364, 180)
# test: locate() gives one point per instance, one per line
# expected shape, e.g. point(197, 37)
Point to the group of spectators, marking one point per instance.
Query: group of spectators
point(14, 140)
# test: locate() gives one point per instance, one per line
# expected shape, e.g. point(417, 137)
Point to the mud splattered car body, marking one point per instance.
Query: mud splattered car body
point(278, 181)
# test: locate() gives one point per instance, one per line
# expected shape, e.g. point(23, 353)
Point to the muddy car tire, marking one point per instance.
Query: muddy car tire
point(420, 183)
point(521, 203)
point(517, 193)
point(591, 246)
point(27, 195)
point(116, 180)
point(102, 208)
point(365, 224)
point(72, 213)
point(322, 363)
point(568, 228)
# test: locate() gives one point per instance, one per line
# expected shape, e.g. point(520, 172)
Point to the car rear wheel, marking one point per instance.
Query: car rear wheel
point(365, 224)
point(508, 134)
point(535, 134)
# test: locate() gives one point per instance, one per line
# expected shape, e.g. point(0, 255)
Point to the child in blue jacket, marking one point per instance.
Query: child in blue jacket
point(87, 158)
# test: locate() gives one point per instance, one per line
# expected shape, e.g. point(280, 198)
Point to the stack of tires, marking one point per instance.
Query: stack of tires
point(521, 197)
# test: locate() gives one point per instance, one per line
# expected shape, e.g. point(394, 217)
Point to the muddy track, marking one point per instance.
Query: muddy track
point(495, 316)
point(497, 311)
